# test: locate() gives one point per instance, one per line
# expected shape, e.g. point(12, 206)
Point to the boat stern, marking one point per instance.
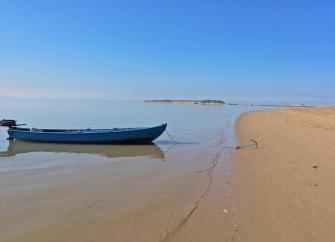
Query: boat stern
point(10, 134)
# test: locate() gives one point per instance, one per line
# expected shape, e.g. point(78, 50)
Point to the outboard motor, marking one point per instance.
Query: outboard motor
point(8, 123)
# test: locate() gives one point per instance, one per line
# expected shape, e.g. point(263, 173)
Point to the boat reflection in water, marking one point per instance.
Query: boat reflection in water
point(107, 150)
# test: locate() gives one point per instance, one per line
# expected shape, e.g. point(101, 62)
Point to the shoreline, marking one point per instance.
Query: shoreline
point(283, 191)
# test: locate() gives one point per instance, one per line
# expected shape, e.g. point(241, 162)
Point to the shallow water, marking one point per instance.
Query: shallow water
point(57, 192)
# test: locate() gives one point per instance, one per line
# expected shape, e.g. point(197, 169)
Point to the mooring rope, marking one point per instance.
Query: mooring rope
point(248, 145)
point(171, 137)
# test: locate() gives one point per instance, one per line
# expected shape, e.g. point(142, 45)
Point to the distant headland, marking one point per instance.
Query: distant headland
point(219, 102)
point(185, 101)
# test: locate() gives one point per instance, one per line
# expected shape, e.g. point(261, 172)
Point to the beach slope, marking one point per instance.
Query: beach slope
point(285, 189)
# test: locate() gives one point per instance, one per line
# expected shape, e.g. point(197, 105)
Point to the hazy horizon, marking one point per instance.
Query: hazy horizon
point(227, 100)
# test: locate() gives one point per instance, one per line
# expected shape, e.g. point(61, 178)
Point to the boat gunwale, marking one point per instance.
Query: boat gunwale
point(80, 131)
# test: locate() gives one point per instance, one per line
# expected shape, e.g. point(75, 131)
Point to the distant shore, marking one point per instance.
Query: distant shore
point(185, 101)
point(284, 189)
point(273, 105)
point(218, 102)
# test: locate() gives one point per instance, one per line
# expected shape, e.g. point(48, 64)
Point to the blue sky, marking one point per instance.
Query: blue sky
point(168, 49)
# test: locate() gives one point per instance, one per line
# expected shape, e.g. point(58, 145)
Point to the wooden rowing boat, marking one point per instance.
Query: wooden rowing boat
point(115, 135)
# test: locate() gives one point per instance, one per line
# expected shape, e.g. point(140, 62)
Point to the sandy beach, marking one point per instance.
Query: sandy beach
point(284, 190)
point(207, 191)
point(167, 121)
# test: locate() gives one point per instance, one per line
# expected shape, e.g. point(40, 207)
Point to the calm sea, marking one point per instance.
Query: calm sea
point(192, 125)
point(127, 187)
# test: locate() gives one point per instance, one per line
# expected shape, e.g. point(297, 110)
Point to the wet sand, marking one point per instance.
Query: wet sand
point(143, 193)
point(285, 189)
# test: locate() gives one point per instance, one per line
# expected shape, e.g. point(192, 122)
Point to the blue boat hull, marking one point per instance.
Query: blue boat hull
point(127, 135)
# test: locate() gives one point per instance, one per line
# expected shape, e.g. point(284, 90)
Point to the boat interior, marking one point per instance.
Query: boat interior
point(88, 130)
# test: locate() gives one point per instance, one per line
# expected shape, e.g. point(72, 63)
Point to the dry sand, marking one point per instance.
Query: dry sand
point(285, 189)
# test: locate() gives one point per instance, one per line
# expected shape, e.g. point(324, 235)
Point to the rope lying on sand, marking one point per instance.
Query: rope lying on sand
point(237, 147)
point(248, 145)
